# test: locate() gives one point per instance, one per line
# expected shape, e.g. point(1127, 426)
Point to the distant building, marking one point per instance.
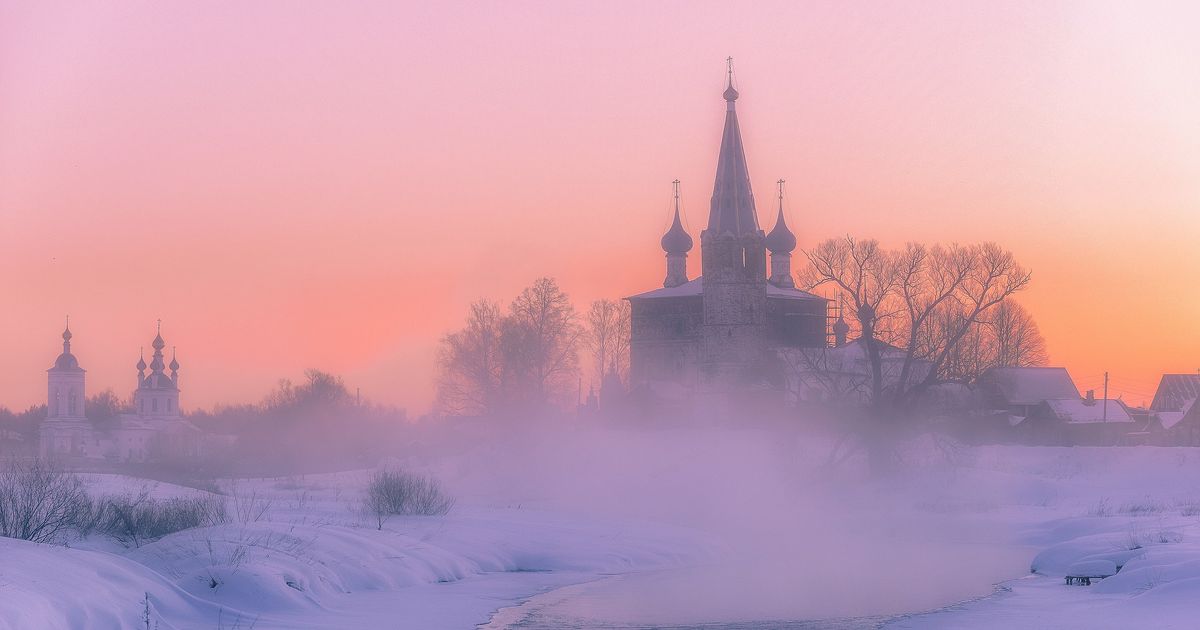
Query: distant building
point(1174, 416)
point(842, 373)
point(719, 332)
point(1077, 422)
point(155, 429)
point(1018, 391)
point(1176, 428)
point(1175, 392)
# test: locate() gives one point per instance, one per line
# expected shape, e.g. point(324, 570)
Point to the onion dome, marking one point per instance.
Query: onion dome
point(174, 362)
point(141, 364)
point(781, 240)
point(158, 343)
point(730, 94)
point(676, 241)
point(67, 335)
point(840, 327)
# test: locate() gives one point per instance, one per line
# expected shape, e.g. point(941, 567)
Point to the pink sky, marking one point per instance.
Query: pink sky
point(292, 185)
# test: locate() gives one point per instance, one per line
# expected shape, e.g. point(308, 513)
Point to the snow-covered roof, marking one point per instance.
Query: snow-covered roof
point(1031, 385)
point(695, 287)
point(1176, 392)
point(1078, 411)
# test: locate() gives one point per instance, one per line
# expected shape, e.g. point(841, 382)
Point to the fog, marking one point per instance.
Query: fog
point(786, 536)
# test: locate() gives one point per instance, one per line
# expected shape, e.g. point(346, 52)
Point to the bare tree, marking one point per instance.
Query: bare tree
point(40, 502)
point(540, 344)
point(1016, 337)
point(919, 302)
point(608, 323)
point(471, 363)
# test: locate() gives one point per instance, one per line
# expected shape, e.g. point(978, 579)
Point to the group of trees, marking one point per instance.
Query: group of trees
point(528, 356)
point(944, 313)
point(316, 424)
point(947, 309)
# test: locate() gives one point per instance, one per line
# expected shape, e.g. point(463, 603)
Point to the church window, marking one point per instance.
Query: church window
point(143, 405)
point(169, 405)
point(71, 403)
point(154, 405)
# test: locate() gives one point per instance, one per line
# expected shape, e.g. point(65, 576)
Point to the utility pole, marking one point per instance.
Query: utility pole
point(1106, 397)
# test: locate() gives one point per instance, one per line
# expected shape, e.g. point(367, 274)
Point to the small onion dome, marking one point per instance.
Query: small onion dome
point(158, 343)
point(141, 366)
point(676, 241)
point(731, 94)
point(840, 327)
point(67, 335)
point(781, 240)
point(174, 365)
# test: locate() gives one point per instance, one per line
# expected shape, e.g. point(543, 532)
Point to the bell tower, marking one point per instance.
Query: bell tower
point(65, 395)
point(733, 258)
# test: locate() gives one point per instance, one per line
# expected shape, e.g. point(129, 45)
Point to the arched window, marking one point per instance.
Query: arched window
point(169, 404)
point(154, 405)
point(71, 403)
point(143, 405)
point(57, 395)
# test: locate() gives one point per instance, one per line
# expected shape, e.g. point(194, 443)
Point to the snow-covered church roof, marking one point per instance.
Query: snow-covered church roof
point(695, 287)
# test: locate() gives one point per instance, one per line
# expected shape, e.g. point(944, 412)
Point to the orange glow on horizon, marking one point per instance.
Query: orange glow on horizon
point(294, 186)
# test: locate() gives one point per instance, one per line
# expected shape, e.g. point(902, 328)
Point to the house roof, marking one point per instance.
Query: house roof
point(695, 287)
point(1078, 411)
point(1176, 392)
point(1031, 385)
point(1169, 419)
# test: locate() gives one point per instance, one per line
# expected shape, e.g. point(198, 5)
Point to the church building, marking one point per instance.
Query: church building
point(155, 429)
point(722, 331)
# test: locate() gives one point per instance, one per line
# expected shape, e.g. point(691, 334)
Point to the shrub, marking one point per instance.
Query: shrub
point(134, 520)
point(248, 507)
point(40, 502)
point(400, 493)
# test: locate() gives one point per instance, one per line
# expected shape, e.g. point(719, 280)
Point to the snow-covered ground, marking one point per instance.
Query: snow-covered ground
point(668, 528)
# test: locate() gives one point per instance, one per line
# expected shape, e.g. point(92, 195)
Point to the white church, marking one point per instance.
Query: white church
point(154, 430)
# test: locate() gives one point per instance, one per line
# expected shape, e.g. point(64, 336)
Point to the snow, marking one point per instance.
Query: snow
point(1078, 411)
point(695, 287)
point(1097, 567)
point(1031, 385)
point(667, 527)
point(312, 562)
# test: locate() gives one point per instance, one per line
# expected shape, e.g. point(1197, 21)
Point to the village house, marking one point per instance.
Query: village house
point(1174, 414)
point(1077, 422)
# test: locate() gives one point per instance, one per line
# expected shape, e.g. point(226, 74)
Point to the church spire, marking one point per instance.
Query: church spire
point(732, 208)
point(67, 337)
